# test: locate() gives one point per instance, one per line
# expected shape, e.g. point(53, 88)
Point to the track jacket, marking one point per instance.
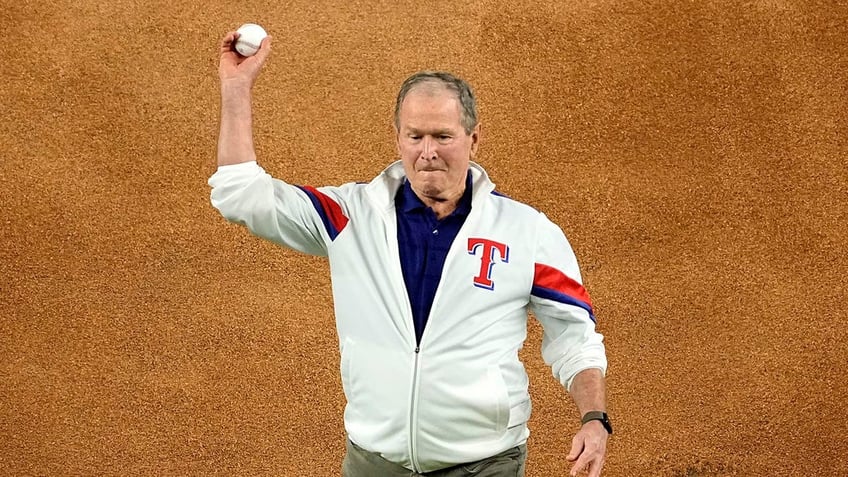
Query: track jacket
point(462, 394)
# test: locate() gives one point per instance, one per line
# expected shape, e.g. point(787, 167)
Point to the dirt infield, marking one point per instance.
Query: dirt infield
point(694, 152)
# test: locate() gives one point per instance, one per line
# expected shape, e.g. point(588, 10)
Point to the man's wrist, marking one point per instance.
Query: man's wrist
point(600, 416)
point(235, 89)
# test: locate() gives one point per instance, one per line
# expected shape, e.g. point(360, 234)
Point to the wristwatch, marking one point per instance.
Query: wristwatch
point(598, 416)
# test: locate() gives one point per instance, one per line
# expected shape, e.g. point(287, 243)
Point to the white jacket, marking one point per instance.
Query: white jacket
point(463, 394)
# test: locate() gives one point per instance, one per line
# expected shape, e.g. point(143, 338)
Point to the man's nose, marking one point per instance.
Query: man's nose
point(428, 148)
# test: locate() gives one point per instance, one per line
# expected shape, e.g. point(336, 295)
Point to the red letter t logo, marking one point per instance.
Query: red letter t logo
point(484, 278)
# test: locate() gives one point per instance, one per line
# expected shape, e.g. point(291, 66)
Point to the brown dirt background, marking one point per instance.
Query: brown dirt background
point(693, 151)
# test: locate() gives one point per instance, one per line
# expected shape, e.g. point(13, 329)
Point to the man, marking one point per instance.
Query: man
point(432, 274)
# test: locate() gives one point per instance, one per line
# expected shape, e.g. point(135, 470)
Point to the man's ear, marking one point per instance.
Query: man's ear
point(475, 139)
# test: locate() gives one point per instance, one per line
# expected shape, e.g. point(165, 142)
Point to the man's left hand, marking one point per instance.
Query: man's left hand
point(588, 449)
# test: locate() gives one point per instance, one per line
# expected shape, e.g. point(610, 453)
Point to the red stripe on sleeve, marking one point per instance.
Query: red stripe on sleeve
point(553, 279)
point(332, 210)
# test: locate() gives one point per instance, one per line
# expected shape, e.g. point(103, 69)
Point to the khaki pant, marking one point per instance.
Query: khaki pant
point(360, 463)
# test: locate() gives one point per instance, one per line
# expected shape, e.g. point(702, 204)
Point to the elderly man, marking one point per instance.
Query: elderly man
point(433, 274)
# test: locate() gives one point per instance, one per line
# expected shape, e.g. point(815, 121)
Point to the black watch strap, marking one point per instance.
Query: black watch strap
point(598, 416)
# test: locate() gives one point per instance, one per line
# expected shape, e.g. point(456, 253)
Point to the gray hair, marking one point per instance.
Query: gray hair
point(457, 85)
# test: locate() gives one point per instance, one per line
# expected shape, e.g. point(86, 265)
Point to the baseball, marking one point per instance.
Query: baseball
point(250, 37)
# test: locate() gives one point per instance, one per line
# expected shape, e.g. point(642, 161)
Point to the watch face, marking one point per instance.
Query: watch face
point(606, 422)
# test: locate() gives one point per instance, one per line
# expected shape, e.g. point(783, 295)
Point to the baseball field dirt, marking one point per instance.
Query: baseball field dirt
point(694, 152)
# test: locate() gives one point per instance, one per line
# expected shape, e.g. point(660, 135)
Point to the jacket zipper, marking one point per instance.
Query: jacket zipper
point(413, 414)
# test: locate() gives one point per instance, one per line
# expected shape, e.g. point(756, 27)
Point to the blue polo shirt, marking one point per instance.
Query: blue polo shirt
point(424, 242)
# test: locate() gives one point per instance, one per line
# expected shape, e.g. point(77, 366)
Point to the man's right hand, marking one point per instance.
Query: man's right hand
point(239, 71)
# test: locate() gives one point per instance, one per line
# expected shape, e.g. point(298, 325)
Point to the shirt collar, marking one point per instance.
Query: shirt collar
point(408, 201)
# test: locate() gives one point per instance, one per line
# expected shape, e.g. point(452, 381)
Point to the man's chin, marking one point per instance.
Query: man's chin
point(431, 190)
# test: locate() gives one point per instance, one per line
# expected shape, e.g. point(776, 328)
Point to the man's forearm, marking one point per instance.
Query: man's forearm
point(235, 140)
point(588, 448)
point(588, 390)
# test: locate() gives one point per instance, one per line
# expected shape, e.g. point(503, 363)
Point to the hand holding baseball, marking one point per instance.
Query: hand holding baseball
point(249, 38)
point(235, 68)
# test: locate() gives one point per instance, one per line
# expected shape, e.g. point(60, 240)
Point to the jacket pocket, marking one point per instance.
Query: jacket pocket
point(502, 410)
point(461, 404)
point(344, 367)
point(376, 382)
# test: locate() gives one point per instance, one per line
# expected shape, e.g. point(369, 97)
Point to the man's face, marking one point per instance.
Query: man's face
point(433, 146)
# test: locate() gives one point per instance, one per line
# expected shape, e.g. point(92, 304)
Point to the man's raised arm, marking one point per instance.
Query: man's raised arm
point(237, 75)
